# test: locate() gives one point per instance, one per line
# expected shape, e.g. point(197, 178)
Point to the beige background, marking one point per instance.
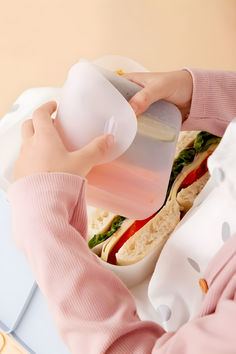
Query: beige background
point(40, 40)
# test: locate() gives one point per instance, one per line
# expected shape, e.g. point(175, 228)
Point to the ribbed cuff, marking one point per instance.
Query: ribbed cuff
point(213, 101)
point(40, 186)
point(200, 92)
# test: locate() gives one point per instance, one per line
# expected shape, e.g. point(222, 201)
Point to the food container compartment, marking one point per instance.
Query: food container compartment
point(134, 274)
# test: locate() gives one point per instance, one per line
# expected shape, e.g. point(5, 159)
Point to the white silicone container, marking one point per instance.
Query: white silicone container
point(133, 181)
point(133, 274)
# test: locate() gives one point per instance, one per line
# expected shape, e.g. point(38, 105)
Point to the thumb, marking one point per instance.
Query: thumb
point(141, 101)
point(95, 152)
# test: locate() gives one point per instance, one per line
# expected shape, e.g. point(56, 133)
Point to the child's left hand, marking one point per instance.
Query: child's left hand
point(42, 149)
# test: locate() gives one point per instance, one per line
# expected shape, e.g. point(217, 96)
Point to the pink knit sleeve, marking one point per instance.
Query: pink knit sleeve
point(213, 102)
point(92, 309)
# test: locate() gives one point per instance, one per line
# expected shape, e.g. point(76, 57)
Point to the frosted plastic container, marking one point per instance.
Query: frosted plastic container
point(133, 180)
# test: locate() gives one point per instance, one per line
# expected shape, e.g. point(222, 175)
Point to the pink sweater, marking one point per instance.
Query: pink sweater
point(92, 309)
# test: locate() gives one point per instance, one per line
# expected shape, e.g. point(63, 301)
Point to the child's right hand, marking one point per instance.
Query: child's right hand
point(175, 87)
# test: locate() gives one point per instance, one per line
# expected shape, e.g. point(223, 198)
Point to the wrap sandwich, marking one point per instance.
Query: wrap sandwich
point(122, 241)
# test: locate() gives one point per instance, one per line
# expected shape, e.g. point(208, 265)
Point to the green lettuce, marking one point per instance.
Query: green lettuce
point(201, 143)
point(204, 140)
point(99, 238)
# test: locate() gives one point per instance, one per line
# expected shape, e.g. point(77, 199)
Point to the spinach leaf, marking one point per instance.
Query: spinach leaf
point(204, 140)
point(185, 157)
point(99, 238)
point(201, 143)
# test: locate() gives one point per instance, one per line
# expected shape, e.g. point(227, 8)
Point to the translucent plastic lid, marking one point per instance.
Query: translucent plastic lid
point(91, 106)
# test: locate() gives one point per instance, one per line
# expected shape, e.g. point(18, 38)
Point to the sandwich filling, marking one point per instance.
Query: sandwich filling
point(202, 143)
point(99, 238)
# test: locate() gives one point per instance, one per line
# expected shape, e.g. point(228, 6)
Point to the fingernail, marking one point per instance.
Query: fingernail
point(110, 140)
point(110, 126)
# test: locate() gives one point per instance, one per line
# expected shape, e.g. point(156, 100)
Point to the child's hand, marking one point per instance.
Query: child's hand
point(175, 87)
point(43, 151)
